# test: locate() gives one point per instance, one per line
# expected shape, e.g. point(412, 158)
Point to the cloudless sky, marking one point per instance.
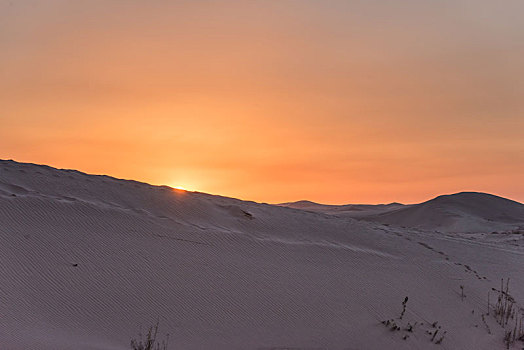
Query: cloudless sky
point(332, 101)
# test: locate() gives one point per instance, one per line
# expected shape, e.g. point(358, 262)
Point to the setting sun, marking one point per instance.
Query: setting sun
point(186, 182)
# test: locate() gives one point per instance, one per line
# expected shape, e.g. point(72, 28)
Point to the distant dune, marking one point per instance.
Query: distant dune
point(347, 210)
point(88, 261)
point(461, 212)
point(465, 212)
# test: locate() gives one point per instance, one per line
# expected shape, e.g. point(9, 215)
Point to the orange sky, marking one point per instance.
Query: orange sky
point(332, 101)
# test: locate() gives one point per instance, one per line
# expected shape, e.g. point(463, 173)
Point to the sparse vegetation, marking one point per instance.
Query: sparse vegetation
point(434, 331)
point(403, 308)
point(508, 315)
point(149, 342)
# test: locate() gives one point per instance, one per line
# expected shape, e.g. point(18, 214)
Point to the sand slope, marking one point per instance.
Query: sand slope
point(219, 273)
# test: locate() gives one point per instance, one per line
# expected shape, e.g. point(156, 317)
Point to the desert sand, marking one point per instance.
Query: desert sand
point(88, 261)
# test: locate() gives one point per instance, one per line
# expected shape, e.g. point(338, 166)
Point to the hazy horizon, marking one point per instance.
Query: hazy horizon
point(272, 203)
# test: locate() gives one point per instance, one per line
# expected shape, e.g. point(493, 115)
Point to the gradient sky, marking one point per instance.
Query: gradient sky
point(333, 101)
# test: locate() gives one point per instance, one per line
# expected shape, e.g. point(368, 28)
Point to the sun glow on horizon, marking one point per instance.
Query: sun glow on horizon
point(183, 186)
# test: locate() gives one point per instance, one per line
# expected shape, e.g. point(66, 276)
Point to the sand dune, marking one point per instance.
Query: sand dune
point(468, 212)
point(347, 210)
point(87, 260)
point(465, 212)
